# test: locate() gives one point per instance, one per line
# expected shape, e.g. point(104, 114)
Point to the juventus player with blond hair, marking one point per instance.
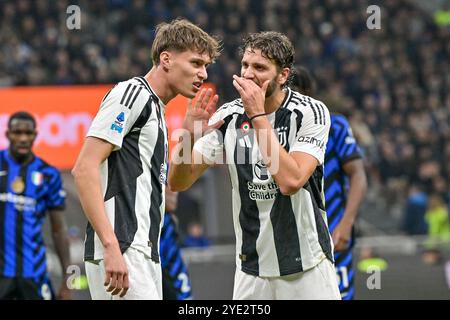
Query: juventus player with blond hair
point(121, 171)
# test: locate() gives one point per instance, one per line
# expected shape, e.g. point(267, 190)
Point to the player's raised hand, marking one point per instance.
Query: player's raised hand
point(199, 114)
point(252, 95)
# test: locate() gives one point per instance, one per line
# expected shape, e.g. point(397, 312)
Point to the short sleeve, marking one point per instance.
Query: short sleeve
point(211, 146)
point(118, 112)
point(312, 135)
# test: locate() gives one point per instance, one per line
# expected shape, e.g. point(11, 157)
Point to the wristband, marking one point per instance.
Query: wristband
point(258, 115)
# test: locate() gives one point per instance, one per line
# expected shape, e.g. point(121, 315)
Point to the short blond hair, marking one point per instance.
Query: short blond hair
point(182, 35)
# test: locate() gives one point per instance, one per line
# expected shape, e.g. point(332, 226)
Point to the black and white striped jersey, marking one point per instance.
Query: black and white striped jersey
point(131, 117)
point(275, 234)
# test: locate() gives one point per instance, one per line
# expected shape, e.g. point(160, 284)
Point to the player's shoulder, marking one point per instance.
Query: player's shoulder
point(339, 118)
point(227, 109)
point(235, 106)
point(339, 121)
point(305, 104)
point(46, 168)
point(129, 92)
point(3, 154)
point(139, 82)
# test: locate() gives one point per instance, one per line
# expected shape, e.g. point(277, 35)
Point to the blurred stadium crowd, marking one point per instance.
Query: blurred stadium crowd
point(393, 83)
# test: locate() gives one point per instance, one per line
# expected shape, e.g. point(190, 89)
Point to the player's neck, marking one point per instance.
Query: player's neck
point(273, 103)
point(158, 81)
point(21, 159)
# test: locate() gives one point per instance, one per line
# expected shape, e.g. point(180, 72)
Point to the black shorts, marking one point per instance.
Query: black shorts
point(24, 289)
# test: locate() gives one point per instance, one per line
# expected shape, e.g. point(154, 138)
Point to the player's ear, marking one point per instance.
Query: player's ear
point(283, 76)
point(164, 60)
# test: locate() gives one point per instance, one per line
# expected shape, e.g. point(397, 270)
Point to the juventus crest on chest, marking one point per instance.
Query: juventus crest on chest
point(282, 135)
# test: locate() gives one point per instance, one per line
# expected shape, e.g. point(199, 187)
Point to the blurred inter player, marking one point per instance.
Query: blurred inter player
point(345, 187)
point(29, 188)
point(175, 278)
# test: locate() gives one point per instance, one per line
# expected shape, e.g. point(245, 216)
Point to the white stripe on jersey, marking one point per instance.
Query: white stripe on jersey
point(265, 246)
point(311, 251)
point(236, 207)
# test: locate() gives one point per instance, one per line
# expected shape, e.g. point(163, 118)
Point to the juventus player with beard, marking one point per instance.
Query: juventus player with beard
point(274, 141)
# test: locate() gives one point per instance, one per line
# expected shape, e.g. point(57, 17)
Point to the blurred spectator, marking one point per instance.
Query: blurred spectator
point(414, 213)
point(195, 236)
point(369, 260)
point(438, 222)
point(442, 17)
point(438, 230)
